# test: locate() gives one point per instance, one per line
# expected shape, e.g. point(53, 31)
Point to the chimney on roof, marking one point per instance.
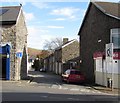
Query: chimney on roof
point(20, 4)
point(65, 40)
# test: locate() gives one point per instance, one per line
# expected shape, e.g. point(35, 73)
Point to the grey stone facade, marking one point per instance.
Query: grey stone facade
point(16, 35)
point(60, 60)
point(70, 51)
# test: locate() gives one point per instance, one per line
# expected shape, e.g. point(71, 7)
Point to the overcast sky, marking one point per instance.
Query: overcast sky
point(47, 20)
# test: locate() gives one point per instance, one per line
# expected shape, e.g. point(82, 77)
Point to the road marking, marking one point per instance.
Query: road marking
point(44, 96)
point(73, 98)
point(64, 88)
point(54, 86)
point(74, 89)
point(84, 90)
point(60, 87)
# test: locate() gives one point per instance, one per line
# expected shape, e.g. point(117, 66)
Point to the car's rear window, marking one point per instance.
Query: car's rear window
point(75, 72)
point(67, 72)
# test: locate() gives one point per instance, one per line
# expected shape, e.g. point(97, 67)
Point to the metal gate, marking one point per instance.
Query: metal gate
point(5, 58)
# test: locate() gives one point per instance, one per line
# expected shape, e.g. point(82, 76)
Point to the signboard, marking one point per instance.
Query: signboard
point(116, 55)
point(109, 52)
point(19, 54)
point(98, 55)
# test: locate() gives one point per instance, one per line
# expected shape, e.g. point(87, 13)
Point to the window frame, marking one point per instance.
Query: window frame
point(115, 32)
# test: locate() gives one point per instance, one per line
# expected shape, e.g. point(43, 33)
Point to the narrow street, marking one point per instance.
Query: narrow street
point(49, 87)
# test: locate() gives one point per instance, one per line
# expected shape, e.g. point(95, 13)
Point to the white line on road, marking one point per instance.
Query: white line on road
point(74, 89)
point(73, 98)
point(84, 90)
point(44, 96)
point(60, 87)
point(65, 88)
point(54, 86)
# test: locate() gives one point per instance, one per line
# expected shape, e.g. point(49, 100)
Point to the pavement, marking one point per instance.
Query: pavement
point(106, 89)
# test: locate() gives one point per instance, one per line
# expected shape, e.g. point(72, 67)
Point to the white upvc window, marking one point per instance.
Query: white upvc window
point(115, 38)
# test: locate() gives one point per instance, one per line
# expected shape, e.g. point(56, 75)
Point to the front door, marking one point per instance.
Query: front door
point(5, 62)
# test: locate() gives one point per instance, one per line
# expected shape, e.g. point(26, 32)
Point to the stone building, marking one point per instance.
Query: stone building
point(64, 57)
point(13, 34)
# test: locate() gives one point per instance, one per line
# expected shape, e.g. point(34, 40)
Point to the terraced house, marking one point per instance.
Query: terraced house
point(101, 26)
point(13, 47)
point(64, 57)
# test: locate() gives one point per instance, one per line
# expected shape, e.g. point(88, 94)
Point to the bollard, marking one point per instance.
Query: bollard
point(109, 82)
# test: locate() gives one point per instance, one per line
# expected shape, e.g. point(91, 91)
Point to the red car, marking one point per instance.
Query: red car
point(72, 75)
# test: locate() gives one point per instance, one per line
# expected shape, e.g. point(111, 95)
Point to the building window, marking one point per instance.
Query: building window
point(115, 38)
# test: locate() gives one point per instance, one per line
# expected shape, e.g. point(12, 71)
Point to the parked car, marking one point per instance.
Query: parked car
point(42, 69)
point(73, 75)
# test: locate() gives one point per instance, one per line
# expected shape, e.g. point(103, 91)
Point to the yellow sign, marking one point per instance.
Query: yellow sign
point(3, 55)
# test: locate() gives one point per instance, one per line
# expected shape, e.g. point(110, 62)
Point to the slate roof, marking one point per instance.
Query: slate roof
point(109, 8)
point(9, 14)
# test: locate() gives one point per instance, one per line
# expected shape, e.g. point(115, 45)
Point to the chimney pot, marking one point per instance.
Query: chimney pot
point(65, 40)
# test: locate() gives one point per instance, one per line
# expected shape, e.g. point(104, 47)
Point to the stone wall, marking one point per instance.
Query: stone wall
point(70, 52)
point(64, 54)
point(21, 46)
point(16, 35)
point(8, 36)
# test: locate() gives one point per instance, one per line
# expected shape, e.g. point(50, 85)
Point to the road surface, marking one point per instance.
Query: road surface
point(49, 87)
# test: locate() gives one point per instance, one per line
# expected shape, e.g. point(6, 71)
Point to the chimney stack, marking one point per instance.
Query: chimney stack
point(65, 40)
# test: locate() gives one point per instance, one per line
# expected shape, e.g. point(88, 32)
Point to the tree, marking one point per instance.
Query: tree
point(43, 54)
point(36, 64)
point(53, 44)
point(39, 61)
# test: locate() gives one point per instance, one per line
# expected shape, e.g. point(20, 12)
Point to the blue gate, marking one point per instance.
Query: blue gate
point(5, 54)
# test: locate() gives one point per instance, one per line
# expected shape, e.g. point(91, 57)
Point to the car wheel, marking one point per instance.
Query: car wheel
point(62, 79)
point(68, 81)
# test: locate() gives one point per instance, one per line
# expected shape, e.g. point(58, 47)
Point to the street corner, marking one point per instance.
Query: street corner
point(26, 80)
point(106, 90)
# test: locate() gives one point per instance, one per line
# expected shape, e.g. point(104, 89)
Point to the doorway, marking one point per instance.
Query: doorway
point(5, 62)
point(4, 66)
